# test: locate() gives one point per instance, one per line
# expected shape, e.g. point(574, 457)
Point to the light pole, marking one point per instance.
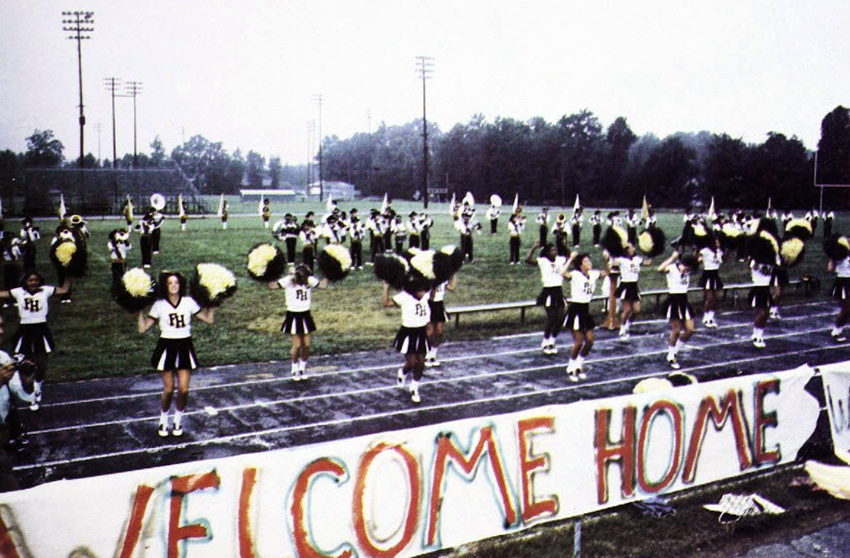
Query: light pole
point(79, 23)
point(318, 99)
point(425, 67)
point(112, 83)
point(134, 88)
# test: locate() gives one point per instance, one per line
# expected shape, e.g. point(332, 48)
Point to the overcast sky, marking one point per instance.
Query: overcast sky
point(246, 72)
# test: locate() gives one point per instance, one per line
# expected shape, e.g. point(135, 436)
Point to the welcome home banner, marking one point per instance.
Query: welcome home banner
point(836, 391)
point(407, 492)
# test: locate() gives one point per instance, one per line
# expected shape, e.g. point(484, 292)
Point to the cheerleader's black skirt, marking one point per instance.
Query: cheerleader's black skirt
point(412, 341)
point(628, 292)
point(34, 339)
point(579, 317)
point(841, 288)
point(174, 354)
point(710, 280)
point(438, 312)
point(298, 323)
point(678, 307)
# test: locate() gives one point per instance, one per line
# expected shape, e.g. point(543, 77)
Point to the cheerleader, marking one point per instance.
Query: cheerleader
point(841, 293)
point(583, 280)
point(553, 269)
point(711, 257)
point(515, 228)
point(778, 281)
point(33, 338)
point(679, 311)
point(299, 323)
point(759, 298)
point(627, 291)
point(412, 338)
point(828, 218)
point(174, 355)
point(436, 302)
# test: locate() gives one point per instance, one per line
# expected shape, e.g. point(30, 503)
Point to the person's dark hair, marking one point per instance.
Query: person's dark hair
point(690, 261)
point(162, 284)
point(29, 273)
point(580, 258)
point(546, 249)
point(302, 273)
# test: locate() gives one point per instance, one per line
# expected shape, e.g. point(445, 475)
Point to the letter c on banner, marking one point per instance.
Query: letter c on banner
point(414, 482)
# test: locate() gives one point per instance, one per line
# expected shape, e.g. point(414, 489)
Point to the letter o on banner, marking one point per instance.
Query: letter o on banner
point(413, 479)
point(674, 415)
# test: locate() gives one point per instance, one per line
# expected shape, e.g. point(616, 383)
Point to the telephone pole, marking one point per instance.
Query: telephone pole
point(79, 23)
point(134, 88)
point(318, 99)
point(424, 67)
point(112, 84)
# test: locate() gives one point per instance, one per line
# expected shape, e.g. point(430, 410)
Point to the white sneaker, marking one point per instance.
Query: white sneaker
point(674, 364)
point(302, 375)
point(436, 363)
point(581, 375)
point(839, 337)
point(36, 401)
point(177, 430)
point(774, 313)
point(759, 343)
point(401, 377)
point(571, 374)
point(296, 376)
point(624, 336)
point(414, 394)
point(163, 430)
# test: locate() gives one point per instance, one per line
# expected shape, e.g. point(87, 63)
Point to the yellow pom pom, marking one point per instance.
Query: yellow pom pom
point(622, 233)
point(645, 242)
point(340, 254)
point(648, 385)
point(769, 237)
point(844, 242)
point(215, 278)
point(137, 282)
point(791, 250)
point(699, 229)
point(731, 231)
point(259, 258)
point(423, 262)
point(64, 252)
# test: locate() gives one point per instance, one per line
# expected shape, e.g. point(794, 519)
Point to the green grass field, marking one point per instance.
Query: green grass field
point(96, 338)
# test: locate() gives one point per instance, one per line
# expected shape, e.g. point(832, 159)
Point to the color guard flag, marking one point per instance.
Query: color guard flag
point(181, 211)
point(62, 209)
point(576, 205)
point(220, 211)
point(260, 207)
point(644, 211)
point(516, 201)
point(711, 212)
point(452, 204)
point(384, 204)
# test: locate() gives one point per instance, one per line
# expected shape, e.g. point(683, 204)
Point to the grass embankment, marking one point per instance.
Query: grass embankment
point(96, 338)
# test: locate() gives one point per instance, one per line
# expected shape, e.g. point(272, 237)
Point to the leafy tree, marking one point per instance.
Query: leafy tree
point(619, 140)
point(43, 149)
point(781, 169)
point(582, 146)
point(256, 167)
point(834, 147)
point(726, 172)
point(669, 173)
point(158, 156)
point(274, 171)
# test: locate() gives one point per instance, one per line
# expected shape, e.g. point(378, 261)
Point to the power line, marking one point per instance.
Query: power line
point(424, 67)
point(319, 99)
point(79, 23)
point(112, 84)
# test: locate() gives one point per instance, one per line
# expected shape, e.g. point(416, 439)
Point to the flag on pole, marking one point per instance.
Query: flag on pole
point(181, 211)
point(260, 207)
point(576, 205)
point(452, 205)
point(769, 205)
point(644, 211)
point(329, 206)
point(384, 204)
point(711, 212)
point(516, 202)
point(62, 209)
point(129, 209)
point(220, 211)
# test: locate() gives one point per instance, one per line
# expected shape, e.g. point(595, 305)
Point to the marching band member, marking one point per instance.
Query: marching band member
point(543, 224)
point(559, 232)
point(596, 222)
point(493, 213)
point(29, 235)
point(632, 222)
point(118, 245)
point(157, 219)
point(465, 225)
point(308, 236)
point(576, 222)
point(266, 213)
point(414, 228)
point(356, 231)
point(515, 228)
point(399, 230)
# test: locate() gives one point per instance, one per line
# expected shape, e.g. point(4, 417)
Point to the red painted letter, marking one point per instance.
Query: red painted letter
point(246, 539)
point(730, 408)
point(762, 420)
point(609, 451)
point(303, 546)
point(675, 415)
point(446, 449)
point(180, 489)
point(134, 526)
point(529, 463)
point(414, 482)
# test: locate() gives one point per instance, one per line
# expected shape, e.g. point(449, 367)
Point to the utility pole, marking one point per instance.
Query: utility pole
point(79, 23)
point(311, 128)
point(318, 99)
point(112, 84)
point(98, 126)
point(425, 67)
point(134, 88)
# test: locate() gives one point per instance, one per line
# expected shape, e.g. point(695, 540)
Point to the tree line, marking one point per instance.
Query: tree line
point(541, 162)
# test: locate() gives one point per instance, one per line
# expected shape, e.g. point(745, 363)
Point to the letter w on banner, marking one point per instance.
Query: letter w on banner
point(836, 388)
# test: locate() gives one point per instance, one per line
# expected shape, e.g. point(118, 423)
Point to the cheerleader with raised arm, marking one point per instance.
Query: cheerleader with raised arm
point(679, 311)
point(711, 257)
point(412, 338)
point(627, 291)
point(299, 323)
point(33, 338)
point(553, 269)
point(174, 356)
point(579, 321)
point(438, 319)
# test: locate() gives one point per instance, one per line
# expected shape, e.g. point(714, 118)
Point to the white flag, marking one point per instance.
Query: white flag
point(260, 207)
point(384, 204)
point(516, 202)
point(220, 211)
point(181, 211)
point(62, 209)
